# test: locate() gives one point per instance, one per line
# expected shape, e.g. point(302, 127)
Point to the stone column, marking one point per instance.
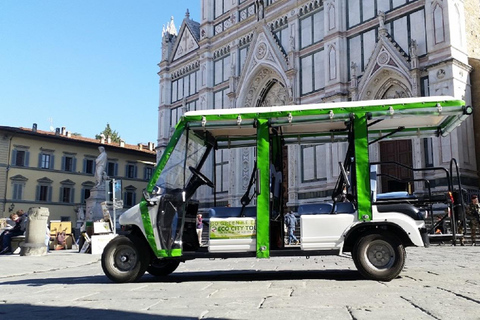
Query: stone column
point(36, 232)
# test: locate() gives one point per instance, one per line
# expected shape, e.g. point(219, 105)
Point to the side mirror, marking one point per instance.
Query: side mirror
point(148, 198)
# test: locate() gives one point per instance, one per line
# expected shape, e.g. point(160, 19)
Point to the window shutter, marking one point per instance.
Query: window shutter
point(72, 195)
point(27, 158)
point(40, 160)
point(116, 170)
point(52, 162)
point(63, 163)
point(37, 195)
point(74, 165)
point(82, 194)
point(49, 194)
point(135, 171)
point(84, 170)
point(126, 171)
point(60, 199)
point(134, 198)
point(14, 157)
point(145, 173)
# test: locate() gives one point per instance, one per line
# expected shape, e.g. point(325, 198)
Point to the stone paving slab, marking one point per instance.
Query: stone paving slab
point(440, 282)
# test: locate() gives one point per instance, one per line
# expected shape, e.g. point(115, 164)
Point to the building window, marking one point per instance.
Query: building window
point(221, 69)
point(311, 29)
point(18, 186)
point(313, 163)
point(18, 191)
point(220, 99)
point(86, 187)
point(428, 152)
point(130, 197)
point(312, 72)
point(112, 169)
point(175, 115)
point(192, 105)
point(131, 171)
point(67, 191)
point(66, 194)
point(219, 8)
point(184, 86)
point(222, 169)
point(246, 12)
point(44, 190)
point(69, 163)
point(242, 56)
point(424, 87)
point(360, 49)
point(20, 157)
point(283, 38)
point(147, 173)
point(89, 165)
point(359, 11)
point(45, 160)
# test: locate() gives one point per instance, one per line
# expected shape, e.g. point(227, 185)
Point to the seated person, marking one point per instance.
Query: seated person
point(11, 221)
point(7, 235)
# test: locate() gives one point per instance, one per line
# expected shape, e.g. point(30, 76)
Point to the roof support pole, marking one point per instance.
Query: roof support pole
point(362, 167)
point(262, 189)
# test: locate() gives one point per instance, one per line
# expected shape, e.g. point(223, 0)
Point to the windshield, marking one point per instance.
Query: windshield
point(176, 173)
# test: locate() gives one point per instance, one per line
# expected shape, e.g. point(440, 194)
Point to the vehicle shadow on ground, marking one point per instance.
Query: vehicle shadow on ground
point(252, 275)
point(206, 276)
point(27, 311)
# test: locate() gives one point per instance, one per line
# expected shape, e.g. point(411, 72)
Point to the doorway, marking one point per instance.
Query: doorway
point(394, 177)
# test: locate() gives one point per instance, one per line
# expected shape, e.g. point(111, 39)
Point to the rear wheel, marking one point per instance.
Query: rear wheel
point(160, 268)
point(379, 256)
point(124, 260)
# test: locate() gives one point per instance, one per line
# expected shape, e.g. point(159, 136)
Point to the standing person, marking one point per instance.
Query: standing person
point(473, 215)
point(291, 222)
point(199, 228)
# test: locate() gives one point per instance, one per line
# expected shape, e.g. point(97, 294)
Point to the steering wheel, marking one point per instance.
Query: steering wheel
point(201, 176)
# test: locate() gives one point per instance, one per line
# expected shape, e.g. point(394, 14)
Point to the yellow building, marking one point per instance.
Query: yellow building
point(56, 170)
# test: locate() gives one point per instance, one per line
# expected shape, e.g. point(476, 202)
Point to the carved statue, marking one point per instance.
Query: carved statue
point(413, 54)
point(381, 19)
point(80, 213)
point(353, 82)
point(101, 163)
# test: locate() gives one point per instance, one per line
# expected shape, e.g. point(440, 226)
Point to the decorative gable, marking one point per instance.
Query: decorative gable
point(186, 42)
point(387, 66)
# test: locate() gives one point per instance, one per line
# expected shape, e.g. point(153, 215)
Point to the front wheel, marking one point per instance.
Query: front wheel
point(160, 268)
point(123, 260)
point(379, 256)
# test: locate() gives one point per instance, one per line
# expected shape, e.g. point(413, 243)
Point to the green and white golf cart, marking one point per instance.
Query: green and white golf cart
point(160, 231)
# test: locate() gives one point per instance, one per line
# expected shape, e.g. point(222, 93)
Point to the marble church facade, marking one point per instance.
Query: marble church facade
point(250, 53)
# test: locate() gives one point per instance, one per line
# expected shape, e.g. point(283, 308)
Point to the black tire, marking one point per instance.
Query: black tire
point(161, 268)
point(379, 256)
point(123, 260)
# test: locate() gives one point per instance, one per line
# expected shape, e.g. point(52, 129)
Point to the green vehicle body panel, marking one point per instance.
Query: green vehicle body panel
point(263, 199)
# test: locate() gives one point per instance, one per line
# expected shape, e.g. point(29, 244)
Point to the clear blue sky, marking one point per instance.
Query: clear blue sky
point(81, 64)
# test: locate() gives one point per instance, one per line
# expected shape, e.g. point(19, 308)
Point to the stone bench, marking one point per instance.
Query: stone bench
point(16, 242)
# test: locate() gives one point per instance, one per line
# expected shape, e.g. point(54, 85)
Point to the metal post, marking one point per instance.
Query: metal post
point(114, 227)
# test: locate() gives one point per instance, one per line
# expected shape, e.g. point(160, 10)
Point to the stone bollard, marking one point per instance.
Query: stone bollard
point(35, 234)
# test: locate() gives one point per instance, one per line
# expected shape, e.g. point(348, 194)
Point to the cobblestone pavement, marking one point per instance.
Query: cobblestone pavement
point(440, 282)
